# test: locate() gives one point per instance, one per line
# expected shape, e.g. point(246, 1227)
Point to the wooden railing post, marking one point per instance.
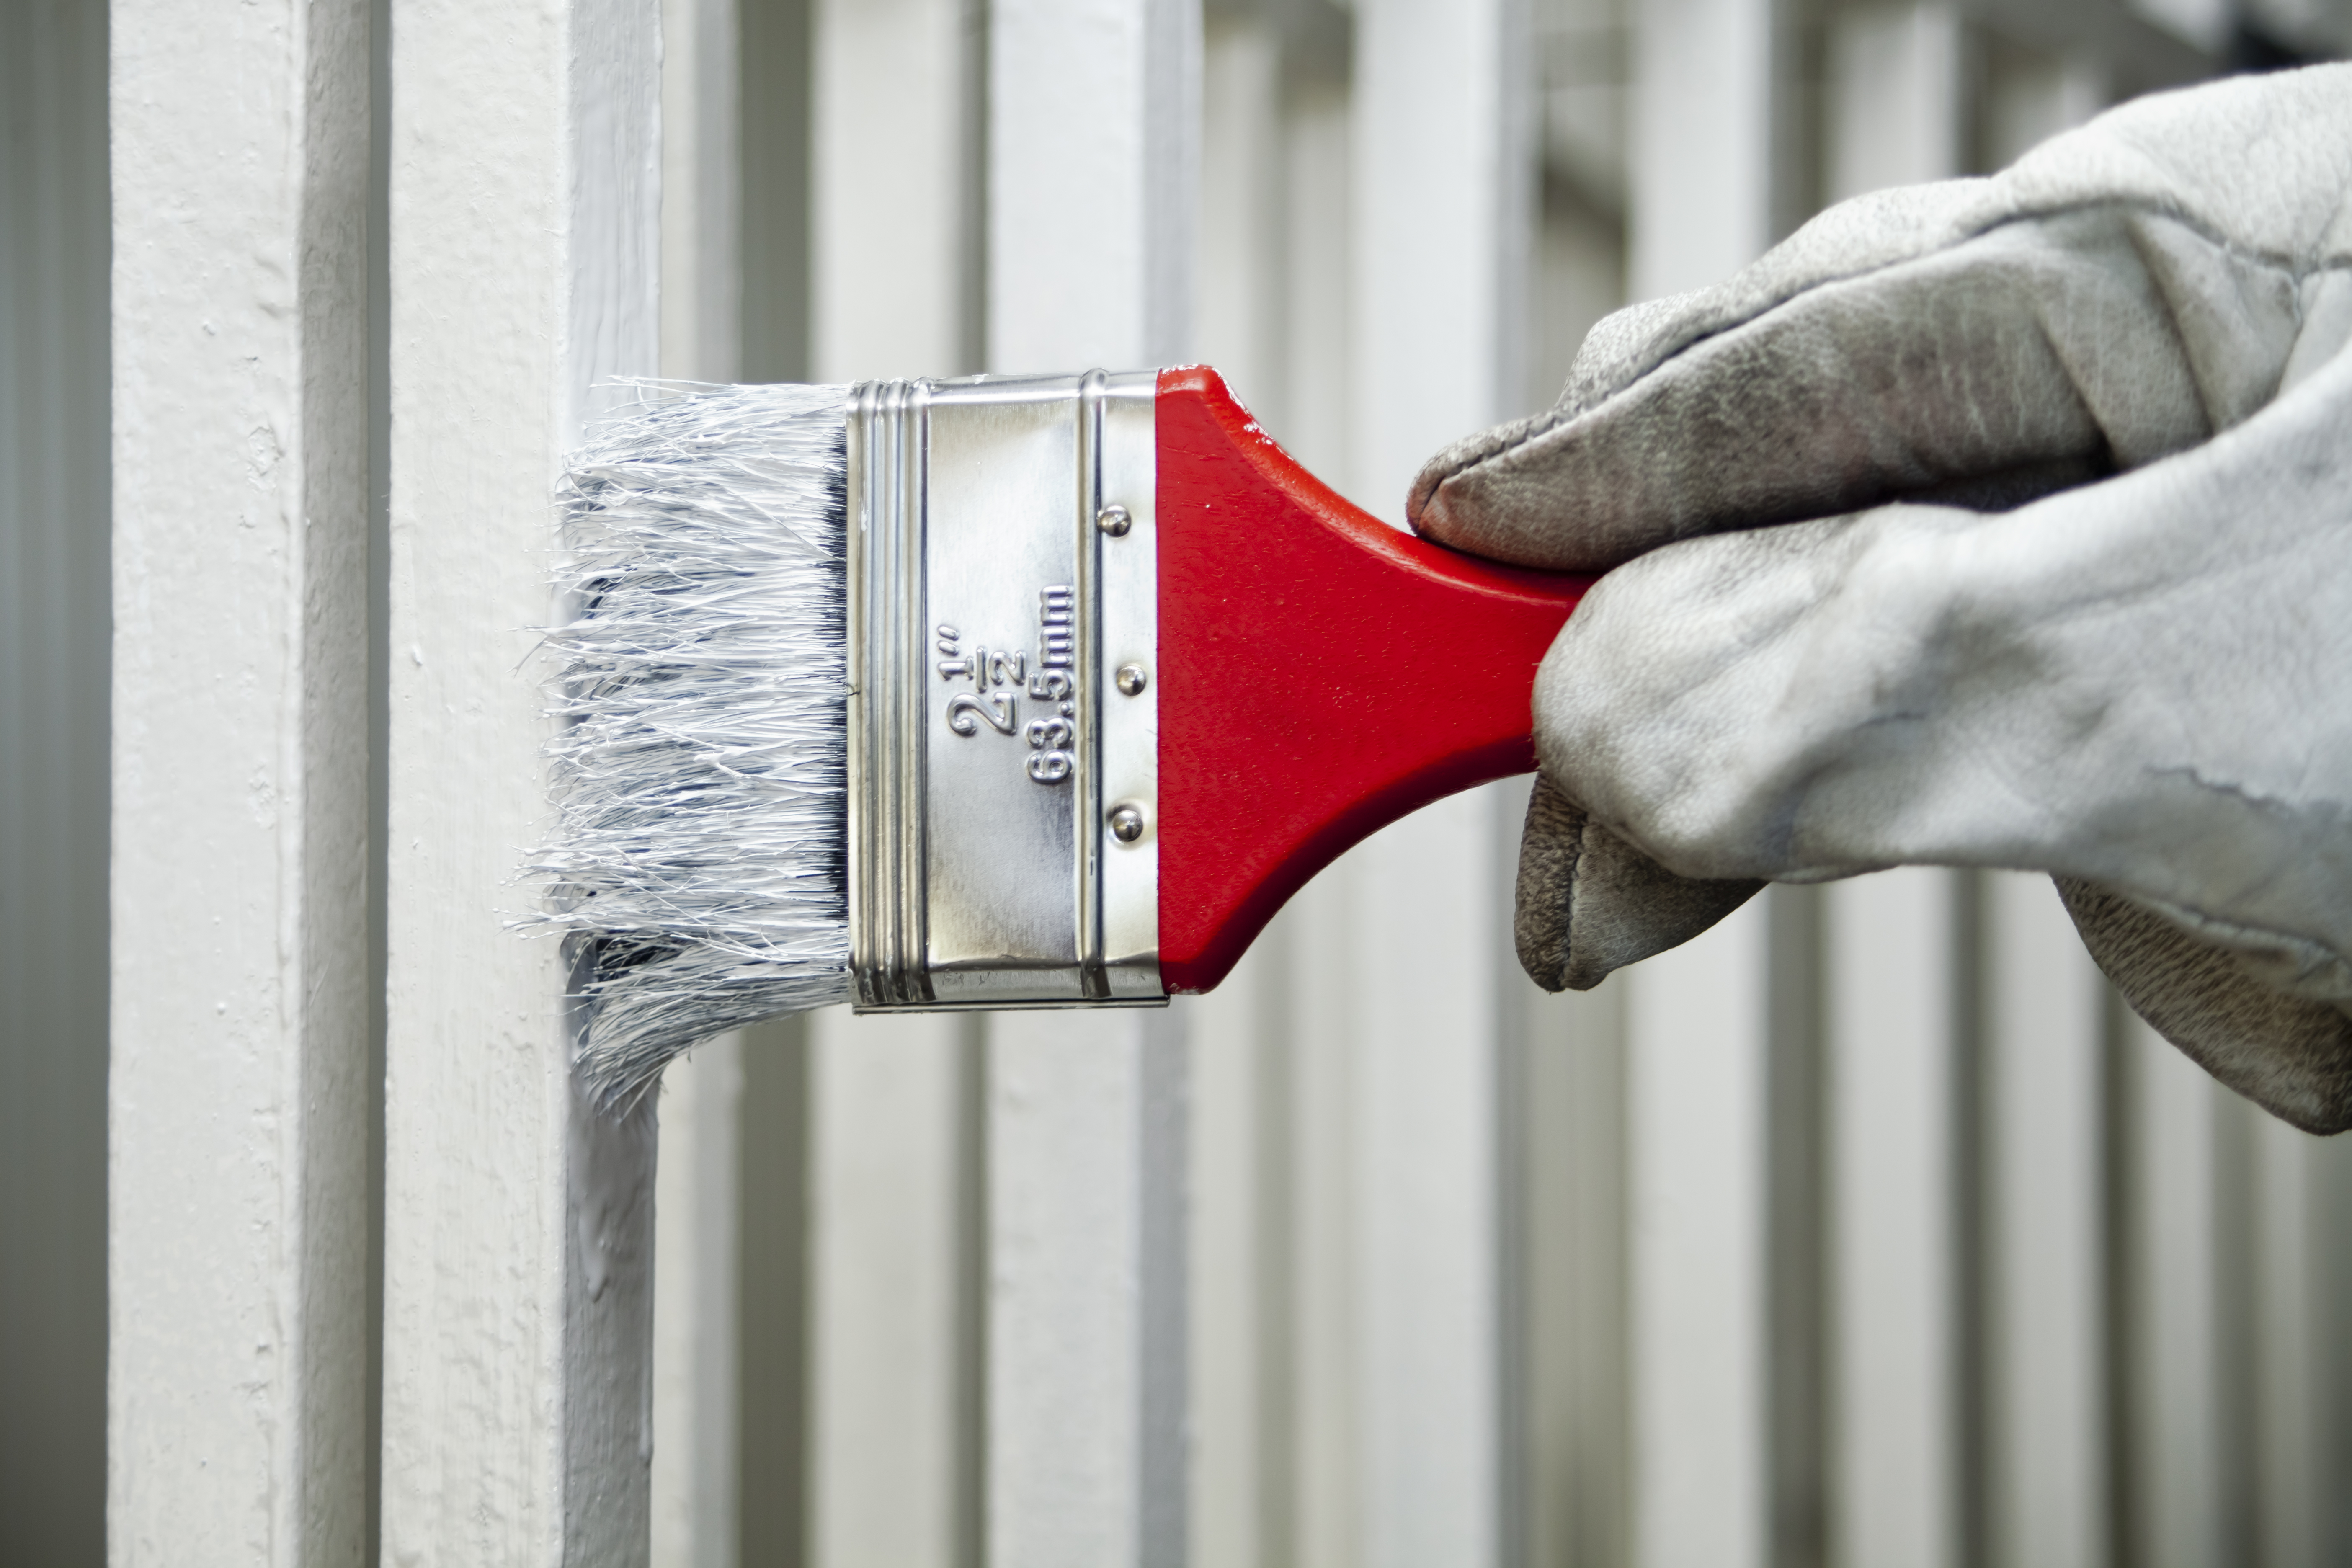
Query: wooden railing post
point(518, 1225)
point(1092, 133)
point(237, 1091)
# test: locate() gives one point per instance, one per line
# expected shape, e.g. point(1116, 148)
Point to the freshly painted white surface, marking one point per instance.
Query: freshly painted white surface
point(1432, 131)
point(884, 1294)
point(1092, 160)
point(1086, 1331)
point(1328, 1509)
point(1240, 1456)
point(1432, 106)
point(693, 1485)
point(1894, 112)
point(1242, 302)
point(1894, 1210)
point(1424, 1169)
point(1092, 151)
point(886, 197)
point(1694, 1047)
point(701, 191)
point(2291, 1337)
point(1699, 208)
point(517, 1222)
point(2177, 1295)
point(1701, 142)
point(237, 1091)
point(1894, 97)
point(1234, 1195)
point(693, 1488)
point(884, 1092)
point(2048, 1410)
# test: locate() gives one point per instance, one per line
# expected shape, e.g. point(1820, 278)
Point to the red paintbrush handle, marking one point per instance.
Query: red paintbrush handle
point(1321, 674)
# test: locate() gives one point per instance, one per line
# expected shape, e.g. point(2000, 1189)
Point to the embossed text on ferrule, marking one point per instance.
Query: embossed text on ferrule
point(999, 678)
point(1054, 738)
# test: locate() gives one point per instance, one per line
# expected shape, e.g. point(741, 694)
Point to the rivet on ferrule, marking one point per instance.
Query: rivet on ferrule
point(1114, 520)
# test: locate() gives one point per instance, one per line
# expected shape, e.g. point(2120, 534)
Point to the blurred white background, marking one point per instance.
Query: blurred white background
point(1868, 1229)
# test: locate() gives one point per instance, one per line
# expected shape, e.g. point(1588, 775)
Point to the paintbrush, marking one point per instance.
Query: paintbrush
point(999, 692)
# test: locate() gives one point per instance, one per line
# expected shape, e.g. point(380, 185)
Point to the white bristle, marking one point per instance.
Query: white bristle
point(700, 853)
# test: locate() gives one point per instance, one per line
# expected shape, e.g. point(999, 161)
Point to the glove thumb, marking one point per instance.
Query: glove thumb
point(1590, 902)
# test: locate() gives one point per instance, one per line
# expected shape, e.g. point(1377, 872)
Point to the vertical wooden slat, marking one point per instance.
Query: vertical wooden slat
point(2048, 1421)
point(1894, 1300)
point(1434, 311)
point(1080, 1368)
point(1573, 1278)
point(1695, 1047)
point(1239, 1158)
point(2181, 1459)
point(696, 1366)
point(1236, 1200)
point(1700, 142)
point(1700, 200)
point(1089, 257)
point(693, 1499)
point(883, 1292)
point(887, 202)
point(773, 1301)
point(1424, 1171)
point(1326, 1520)
point(884, 1128)
point(517, 1226)
point(236, 1402)
point(1894, 117)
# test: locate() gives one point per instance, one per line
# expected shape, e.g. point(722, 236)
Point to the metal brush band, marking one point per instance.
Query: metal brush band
point(1003, 730)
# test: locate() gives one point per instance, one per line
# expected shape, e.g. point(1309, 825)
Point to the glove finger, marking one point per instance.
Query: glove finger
point(1590, 903)
point(2291, 1056)
point(2114, 299)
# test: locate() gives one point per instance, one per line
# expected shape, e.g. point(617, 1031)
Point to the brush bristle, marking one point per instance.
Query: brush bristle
point(701, 858)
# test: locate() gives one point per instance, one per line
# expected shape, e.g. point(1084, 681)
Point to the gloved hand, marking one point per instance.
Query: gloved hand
point(1996, 522)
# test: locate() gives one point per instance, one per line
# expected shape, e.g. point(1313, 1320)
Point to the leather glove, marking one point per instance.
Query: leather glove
point(1996, 522)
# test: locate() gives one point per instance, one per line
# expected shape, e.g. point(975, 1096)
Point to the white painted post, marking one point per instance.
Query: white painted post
point(701, 191)
point(1700, 142)
point(237, 1093)
point(1090, 231)
point(1093, 110)
point(1894, 115)
point(2292, 1442)
point(695, 1477)
point(1327, 1024)
point(1427, 920)
point(1895, 1208)
point(518, 1224)
point(2182, 1458)
point(885, 1418)
point(884, 1290)
point(2047, 1422)
point(886, 191)
point(1894, 97)
point(1700, 208)
point(693, 1499)
point(1241, 276)
point(1240, 1394)
point(1435, 311)
point(1696, 1054)
point(1237, 1196)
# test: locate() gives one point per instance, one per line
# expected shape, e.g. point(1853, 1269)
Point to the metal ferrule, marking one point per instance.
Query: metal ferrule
point(1004, 729)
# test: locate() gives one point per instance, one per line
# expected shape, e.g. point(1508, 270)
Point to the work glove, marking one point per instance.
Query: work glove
point(1995, 522)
